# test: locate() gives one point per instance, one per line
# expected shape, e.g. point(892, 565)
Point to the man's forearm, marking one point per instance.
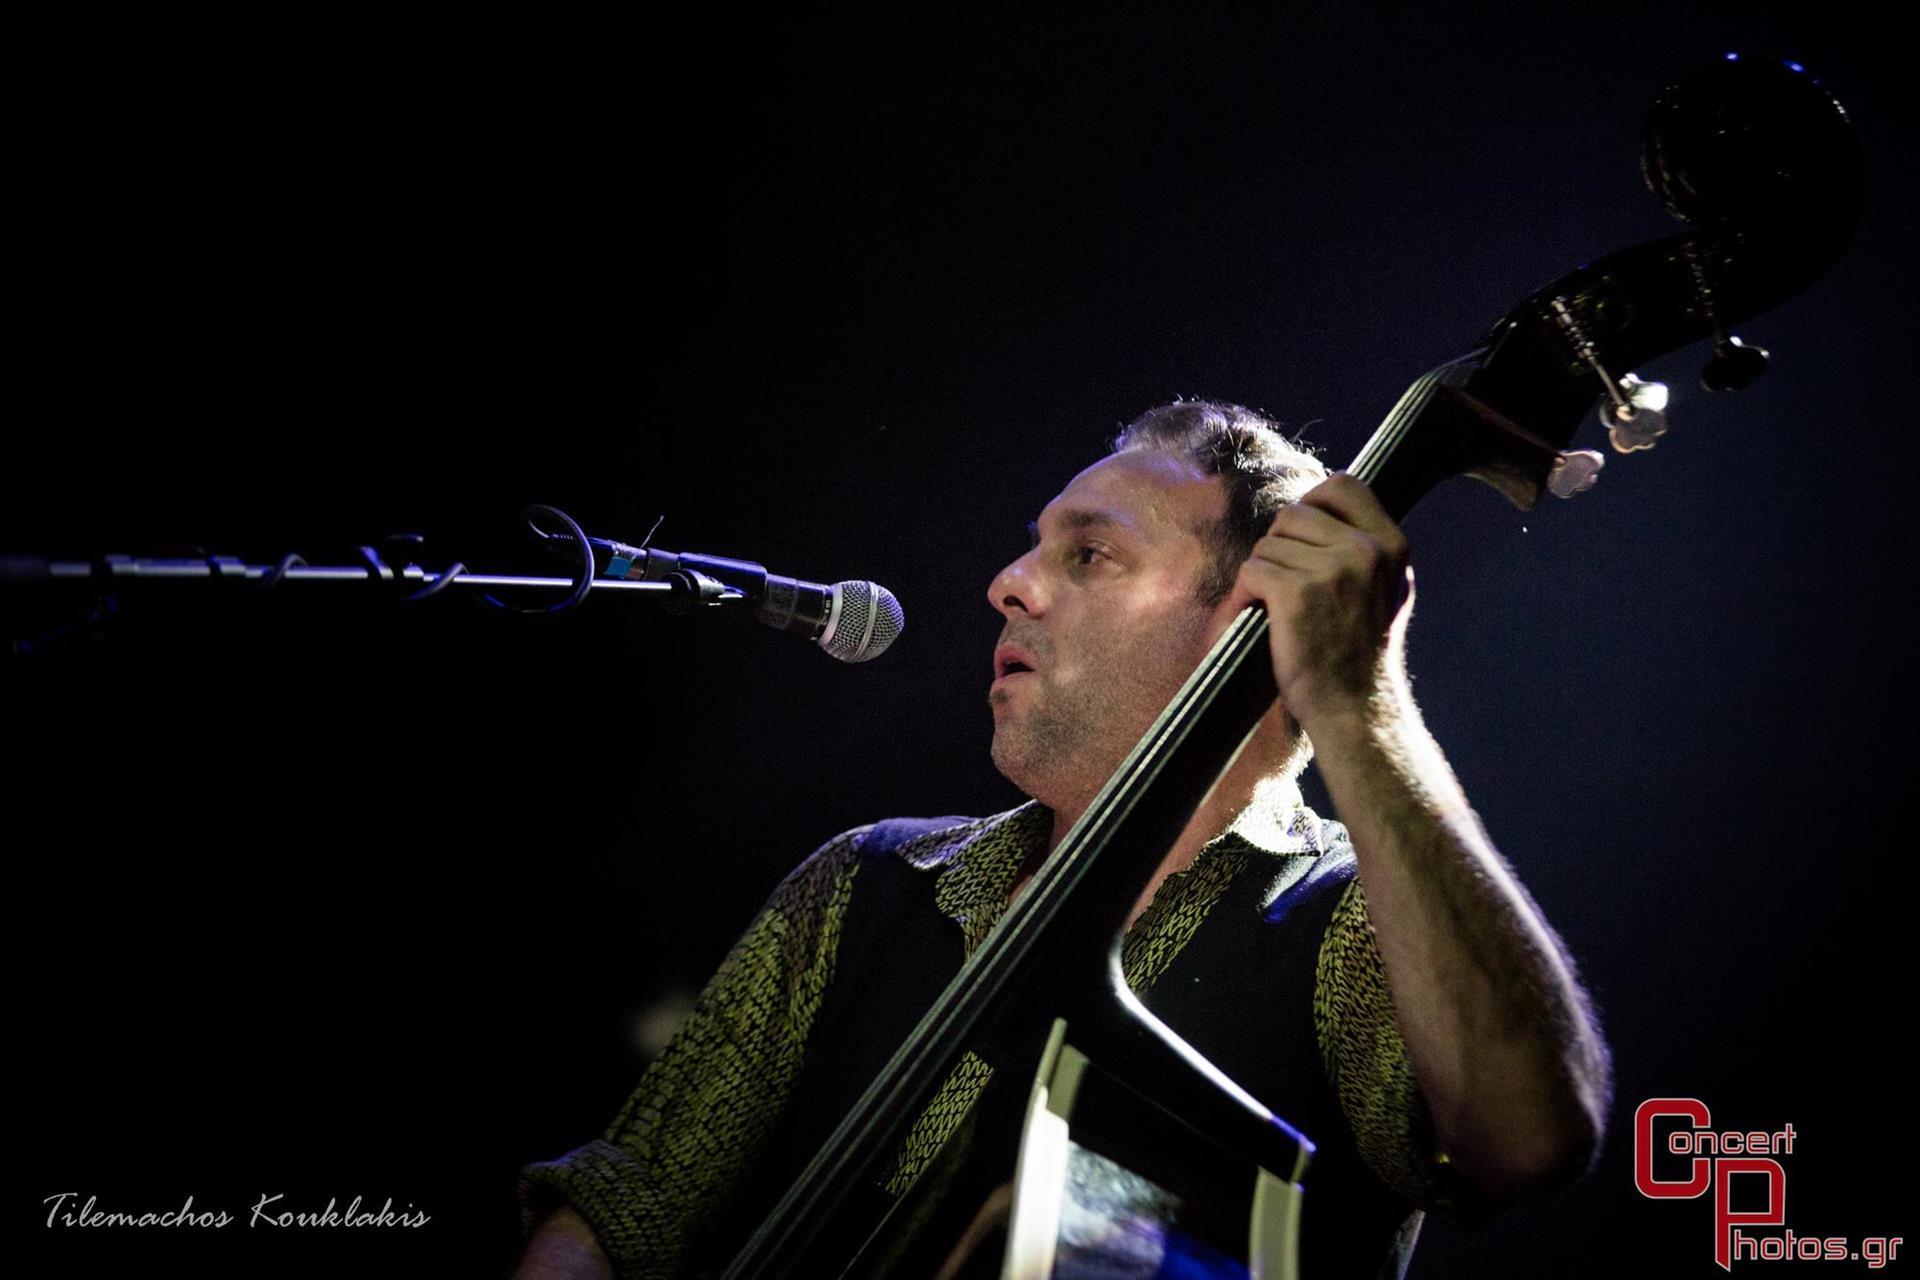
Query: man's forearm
point(1497, 1029)
point(564, 1248)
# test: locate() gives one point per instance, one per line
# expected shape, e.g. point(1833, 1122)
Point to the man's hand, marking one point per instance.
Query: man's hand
point(1332, 573)
point(1497, 1028)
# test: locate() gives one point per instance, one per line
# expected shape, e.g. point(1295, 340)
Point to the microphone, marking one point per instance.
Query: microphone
point(853, 621)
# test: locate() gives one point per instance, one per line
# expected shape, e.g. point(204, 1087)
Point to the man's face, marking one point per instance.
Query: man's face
point(1103, 611)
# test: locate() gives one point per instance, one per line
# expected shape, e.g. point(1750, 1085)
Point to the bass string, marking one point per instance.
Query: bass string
point(1379, 448)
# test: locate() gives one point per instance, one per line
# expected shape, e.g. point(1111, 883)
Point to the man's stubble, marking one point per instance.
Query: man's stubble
point(1061, 746)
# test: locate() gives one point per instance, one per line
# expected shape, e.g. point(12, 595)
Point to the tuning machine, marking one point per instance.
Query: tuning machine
point(1636, 415)
point(1733, 365)
point(1574, 472)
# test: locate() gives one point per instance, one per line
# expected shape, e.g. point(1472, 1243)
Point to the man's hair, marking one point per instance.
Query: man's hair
point(1262, 470)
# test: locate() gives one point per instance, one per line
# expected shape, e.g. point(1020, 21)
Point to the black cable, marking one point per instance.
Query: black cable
point(440, 584)
point(581, 586)
point(293, 559)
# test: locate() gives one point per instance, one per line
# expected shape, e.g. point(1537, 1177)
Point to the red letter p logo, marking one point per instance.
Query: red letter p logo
point(1725, 1219)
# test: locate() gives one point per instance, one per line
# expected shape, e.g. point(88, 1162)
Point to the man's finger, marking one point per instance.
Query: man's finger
point(1353, 503)
point(1264, 575)
point(1311, 525)
point(1292, 553)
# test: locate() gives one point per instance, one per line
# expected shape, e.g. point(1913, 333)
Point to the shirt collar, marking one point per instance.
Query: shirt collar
point(978, 861)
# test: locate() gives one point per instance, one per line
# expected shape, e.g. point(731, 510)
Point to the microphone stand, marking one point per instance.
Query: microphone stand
point(679, 592)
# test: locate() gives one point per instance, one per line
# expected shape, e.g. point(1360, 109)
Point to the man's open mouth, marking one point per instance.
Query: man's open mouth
point(1010, 660)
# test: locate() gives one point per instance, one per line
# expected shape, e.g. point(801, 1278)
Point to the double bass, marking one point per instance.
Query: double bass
point(1759, 161)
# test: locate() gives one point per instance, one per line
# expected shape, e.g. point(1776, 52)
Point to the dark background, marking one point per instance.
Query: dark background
point(329, 898)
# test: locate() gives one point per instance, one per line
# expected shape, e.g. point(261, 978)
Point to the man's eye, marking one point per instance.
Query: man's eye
point(1087, 553)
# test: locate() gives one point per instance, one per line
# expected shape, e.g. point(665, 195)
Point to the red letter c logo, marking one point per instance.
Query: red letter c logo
point(1657, 1188)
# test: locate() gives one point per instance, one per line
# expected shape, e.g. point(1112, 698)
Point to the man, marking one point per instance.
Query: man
point(1458, 1067)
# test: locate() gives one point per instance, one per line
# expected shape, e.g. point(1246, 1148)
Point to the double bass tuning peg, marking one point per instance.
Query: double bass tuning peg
point(1574, 472)
point(1635, 415)
point(1733, 365)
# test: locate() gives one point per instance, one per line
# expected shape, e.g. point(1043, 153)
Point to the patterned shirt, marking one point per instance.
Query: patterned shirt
point(707, 1107)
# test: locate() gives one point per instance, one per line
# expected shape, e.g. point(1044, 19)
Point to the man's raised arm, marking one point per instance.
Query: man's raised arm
point(1498, 1030)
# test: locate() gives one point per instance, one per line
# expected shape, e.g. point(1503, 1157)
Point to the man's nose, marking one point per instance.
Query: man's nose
point(1014, 588)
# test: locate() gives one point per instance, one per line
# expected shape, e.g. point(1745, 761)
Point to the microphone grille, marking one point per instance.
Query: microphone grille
point(864, 620)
